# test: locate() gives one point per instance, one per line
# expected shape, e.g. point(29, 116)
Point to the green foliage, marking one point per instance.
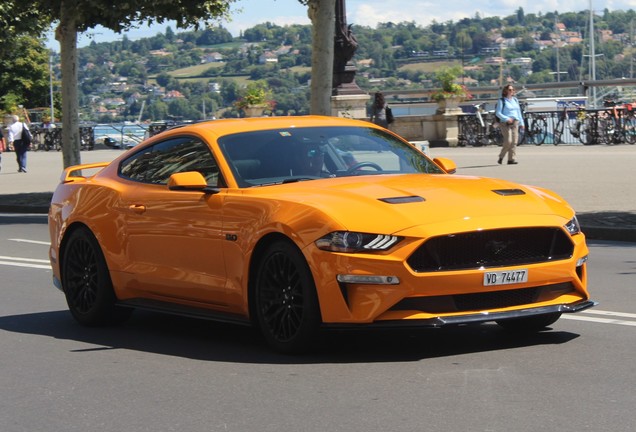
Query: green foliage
point(19, 18)
point(24, 75)
point(449, 88)
point(254, 94)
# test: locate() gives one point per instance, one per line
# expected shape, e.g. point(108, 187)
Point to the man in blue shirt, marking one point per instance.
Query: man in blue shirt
point(511, 119)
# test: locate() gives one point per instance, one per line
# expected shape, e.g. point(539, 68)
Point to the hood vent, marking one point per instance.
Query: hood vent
point(508, 192)
point(402, 200)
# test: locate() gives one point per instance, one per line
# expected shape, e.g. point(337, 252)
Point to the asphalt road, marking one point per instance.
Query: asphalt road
point(159, 373)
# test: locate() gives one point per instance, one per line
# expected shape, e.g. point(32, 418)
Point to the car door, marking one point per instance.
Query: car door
point(173, 239)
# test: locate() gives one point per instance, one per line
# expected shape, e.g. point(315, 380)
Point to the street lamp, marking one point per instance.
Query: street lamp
point(51, 87)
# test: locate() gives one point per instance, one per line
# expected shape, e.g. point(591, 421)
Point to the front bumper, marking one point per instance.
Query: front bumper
point(473, 318)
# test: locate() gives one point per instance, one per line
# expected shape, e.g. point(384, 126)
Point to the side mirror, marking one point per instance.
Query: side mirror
point(446, 164)
point(190, 180)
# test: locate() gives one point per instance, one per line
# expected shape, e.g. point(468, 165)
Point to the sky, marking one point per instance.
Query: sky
point(247, 13)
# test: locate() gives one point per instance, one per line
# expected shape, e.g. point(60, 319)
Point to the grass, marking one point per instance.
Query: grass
point(429, 66)
point(194, 71)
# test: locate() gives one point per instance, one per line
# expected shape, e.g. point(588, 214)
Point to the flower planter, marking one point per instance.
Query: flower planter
point(448, 106)
point(254, 110)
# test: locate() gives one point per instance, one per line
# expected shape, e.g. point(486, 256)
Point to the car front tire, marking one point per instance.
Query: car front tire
point(285, 300)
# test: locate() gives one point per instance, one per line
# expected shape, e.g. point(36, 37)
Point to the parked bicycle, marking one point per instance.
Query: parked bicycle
point(574, 123)
point(535, 127)
point(629, 123)
point(618, 123)
point(480, 129)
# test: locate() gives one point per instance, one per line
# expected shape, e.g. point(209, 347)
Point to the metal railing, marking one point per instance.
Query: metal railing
point(609, 125)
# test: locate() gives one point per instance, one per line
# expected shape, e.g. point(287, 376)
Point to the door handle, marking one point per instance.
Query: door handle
point(137, 208)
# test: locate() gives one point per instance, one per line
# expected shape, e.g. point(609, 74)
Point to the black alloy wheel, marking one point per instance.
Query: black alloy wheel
point(86, 281)
point(285, 300)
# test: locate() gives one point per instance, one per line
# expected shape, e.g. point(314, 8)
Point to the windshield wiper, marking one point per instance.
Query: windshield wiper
point(297, 179)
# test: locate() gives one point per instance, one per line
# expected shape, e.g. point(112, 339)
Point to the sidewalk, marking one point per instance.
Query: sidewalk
point(596, 180)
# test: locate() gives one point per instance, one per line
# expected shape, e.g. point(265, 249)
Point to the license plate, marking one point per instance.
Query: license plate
point(505, 277)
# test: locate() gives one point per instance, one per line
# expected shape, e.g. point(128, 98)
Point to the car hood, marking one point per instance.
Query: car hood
point(401, 202)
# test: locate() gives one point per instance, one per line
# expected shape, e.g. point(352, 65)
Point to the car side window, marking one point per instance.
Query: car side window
point(157, 163)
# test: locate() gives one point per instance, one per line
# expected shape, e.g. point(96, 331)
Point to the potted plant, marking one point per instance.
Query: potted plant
point(451, 93)
point(255, 99)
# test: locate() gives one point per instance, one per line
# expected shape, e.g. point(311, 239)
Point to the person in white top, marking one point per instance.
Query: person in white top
point(15, 139)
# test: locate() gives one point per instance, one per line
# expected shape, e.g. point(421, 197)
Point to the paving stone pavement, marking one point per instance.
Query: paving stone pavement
point(598, 181)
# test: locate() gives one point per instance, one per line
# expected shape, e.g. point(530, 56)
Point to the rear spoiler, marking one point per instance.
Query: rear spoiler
point(74, 173)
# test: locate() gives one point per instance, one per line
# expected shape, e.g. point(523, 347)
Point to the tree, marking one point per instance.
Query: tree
point(23, 57)
point(24, 75)
point(322, 14)
point(75, 16)
point(17, 20)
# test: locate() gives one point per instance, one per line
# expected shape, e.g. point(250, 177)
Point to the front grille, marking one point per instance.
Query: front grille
point(496, 300)
point(491, 248)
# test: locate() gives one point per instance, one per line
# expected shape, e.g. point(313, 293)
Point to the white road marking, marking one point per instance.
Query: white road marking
point(18, 264)
point(30, 241)
point(610, 313)
point(579, 317)
point(25, 262)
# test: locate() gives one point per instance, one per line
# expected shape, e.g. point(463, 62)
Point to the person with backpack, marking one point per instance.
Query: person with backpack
point(381, 114)
point(19, 137)
point(508, 111)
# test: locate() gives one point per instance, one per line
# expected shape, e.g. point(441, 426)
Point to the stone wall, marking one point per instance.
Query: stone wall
point(439, 129)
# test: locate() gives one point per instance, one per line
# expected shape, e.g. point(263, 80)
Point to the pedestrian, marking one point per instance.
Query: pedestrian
point(378, 110)
point(508, 111)
point(15, 135)
point(2, 134)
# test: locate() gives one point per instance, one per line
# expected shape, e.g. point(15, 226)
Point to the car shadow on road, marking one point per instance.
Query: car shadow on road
point(210, 341)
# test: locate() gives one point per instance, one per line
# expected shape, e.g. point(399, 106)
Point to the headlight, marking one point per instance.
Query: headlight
point(573, 226)
point(347, 241)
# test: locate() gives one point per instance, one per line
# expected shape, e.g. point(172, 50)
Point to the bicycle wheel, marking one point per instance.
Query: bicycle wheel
point(495, 136)
point(604, 131)
point(557, 133)
point(630, 129)
point(471, 133)
point(586, 135)
point(537, 132)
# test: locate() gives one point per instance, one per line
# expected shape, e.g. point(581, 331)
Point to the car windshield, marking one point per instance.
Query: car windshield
point(286, 155)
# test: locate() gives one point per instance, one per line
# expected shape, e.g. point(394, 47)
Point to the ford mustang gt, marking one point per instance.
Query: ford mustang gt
point(293, 224)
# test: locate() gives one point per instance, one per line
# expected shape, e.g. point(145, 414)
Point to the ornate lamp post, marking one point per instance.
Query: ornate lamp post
point(347, 99)
point(345, 47)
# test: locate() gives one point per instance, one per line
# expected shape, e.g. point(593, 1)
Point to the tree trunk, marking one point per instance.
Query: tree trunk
point(66, 35)
point(322, 14)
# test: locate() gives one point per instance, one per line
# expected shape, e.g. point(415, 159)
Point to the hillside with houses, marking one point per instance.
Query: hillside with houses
point(198, 74)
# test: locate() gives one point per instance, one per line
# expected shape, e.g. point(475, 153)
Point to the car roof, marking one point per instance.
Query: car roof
point(218, 128)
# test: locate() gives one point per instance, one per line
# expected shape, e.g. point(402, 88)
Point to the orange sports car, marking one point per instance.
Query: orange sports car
point(296, 223)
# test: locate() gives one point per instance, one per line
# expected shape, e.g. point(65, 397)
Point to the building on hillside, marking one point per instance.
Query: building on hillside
point(268, 57)
point(213, 57)
point(525, 62)
point(364, 63)
point(494, 60)
point(173, 95)
point(490, 50)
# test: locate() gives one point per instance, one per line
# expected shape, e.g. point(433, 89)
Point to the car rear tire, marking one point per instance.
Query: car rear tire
point(285, 300)
point(86, 282)
point(530, 324)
